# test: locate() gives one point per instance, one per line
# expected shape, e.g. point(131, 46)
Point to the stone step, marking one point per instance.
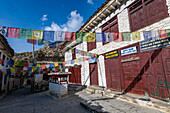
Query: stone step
point(87, 91)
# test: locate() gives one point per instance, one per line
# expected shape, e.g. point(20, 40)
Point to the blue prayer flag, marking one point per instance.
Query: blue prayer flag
point(48, 35)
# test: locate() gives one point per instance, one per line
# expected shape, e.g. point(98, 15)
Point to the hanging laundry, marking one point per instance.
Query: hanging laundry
point(59, 36)
point(48, 35)
point(163, 34)
point(100, 37)
point(135, 36)
point(80, 37)
point(168, 32)
point(70, 36)
point(12, 32)
point(126, 36)
point(109, 37)
point(25, 34)
point(90, 37)
point(37, 34)
point(155, 34)
point(32, 41)
point(147, 35)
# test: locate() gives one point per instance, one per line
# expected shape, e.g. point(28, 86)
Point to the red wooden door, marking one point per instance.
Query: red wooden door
point(132, 72)
point(93, 74)
point(113, 74)
point(166, 62)
point(75, 76)
point(154, 76)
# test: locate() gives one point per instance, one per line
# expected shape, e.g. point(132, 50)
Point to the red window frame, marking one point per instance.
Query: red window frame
point(107, 27)
point(134, 7)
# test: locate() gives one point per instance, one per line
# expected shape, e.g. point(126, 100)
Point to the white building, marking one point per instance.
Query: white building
point(118, 16)
point(6, 53)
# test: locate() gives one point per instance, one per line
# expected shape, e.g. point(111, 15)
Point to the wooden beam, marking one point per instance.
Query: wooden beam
point(113, 7)
point(108, 11)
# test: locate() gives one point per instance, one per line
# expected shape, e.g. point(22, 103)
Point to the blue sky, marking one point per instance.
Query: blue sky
point(66, 15)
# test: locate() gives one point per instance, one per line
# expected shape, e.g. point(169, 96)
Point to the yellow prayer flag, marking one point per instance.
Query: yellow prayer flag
point(24, 73)
point(12, 70)
point(4, 73)
point(48, 69)
point(16, 63)
point(76, 60)
point(90, 37)
point(135, 36)
point(56, 64)
point(37, 34)
point(33, 68)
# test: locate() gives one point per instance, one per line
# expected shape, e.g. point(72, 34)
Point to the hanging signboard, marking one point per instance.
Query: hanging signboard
point(154, 44)
point(128, 51)
point(112, 54)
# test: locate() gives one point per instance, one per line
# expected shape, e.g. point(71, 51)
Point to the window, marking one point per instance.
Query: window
point(3, 60)
point(110, 26)
point(91, 46)
point(146, 12)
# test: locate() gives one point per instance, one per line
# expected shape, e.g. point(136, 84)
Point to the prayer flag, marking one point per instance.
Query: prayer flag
point(155, 34)
point(64, 63)
point(163, 34)
point(135, 36)
point(90, 37)
point(126, 36)
point(48, 35)
point(12, 70)
point(1, 61)
point(70, 36)
point(51, 65)
point(147, 35)
point(21, 64)
point(12, 32)
point(37, 34)
point(56, 64)
point(76, 60)
point(100, 37)
point(43, 67)
point(109, 37)
point(80, 36)
point(168, 32)
point(10, 62)
point(40, 42)
point(16, 63)
point(72, 61)
point(84, 59)
point(31, 41)
point(59, 36)
point(25, 34)
point(118, 37)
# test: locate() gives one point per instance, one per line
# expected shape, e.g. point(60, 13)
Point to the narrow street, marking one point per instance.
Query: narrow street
point(23, 101)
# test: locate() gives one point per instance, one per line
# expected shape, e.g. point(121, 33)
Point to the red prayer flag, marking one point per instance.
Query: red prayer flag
point(70, 36)
point(43, 67)
point(25, 64)
point(12, 32)
point(118, 37)
point(163, 34)
point(1, 61)
point(31, 41)
point(64, 63)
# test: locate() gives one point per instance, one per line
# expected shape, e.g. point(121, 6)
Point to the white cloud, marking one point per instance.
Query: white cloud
point(44, 18)
point(90, 2)
point(75, 21)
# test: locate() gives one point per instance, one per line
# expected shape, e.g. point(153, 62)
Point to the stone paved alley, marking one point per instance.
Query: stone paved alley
point(23, 101)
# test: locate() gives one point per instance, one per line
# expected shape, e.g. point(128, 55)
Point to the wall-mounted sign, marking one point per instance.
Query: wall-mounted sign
point(129, 51)
point(154, 44)
point(112, 54)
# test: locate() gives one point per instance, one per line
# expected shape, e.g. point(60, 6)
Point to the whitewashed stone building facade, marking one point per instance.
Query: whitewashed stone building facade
point(123, 14)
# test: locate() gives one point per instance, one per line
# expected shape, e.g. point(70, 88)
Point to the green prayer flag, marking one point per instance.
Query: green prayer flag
point(21, 64)
point(126, 36)
point(80, 36)
point(168, 32)
point(40, 42)
point(25, 33)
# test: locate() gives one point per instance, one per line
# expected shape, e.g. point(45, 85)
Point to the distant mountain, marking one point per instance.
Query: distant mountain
point(42, 55)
